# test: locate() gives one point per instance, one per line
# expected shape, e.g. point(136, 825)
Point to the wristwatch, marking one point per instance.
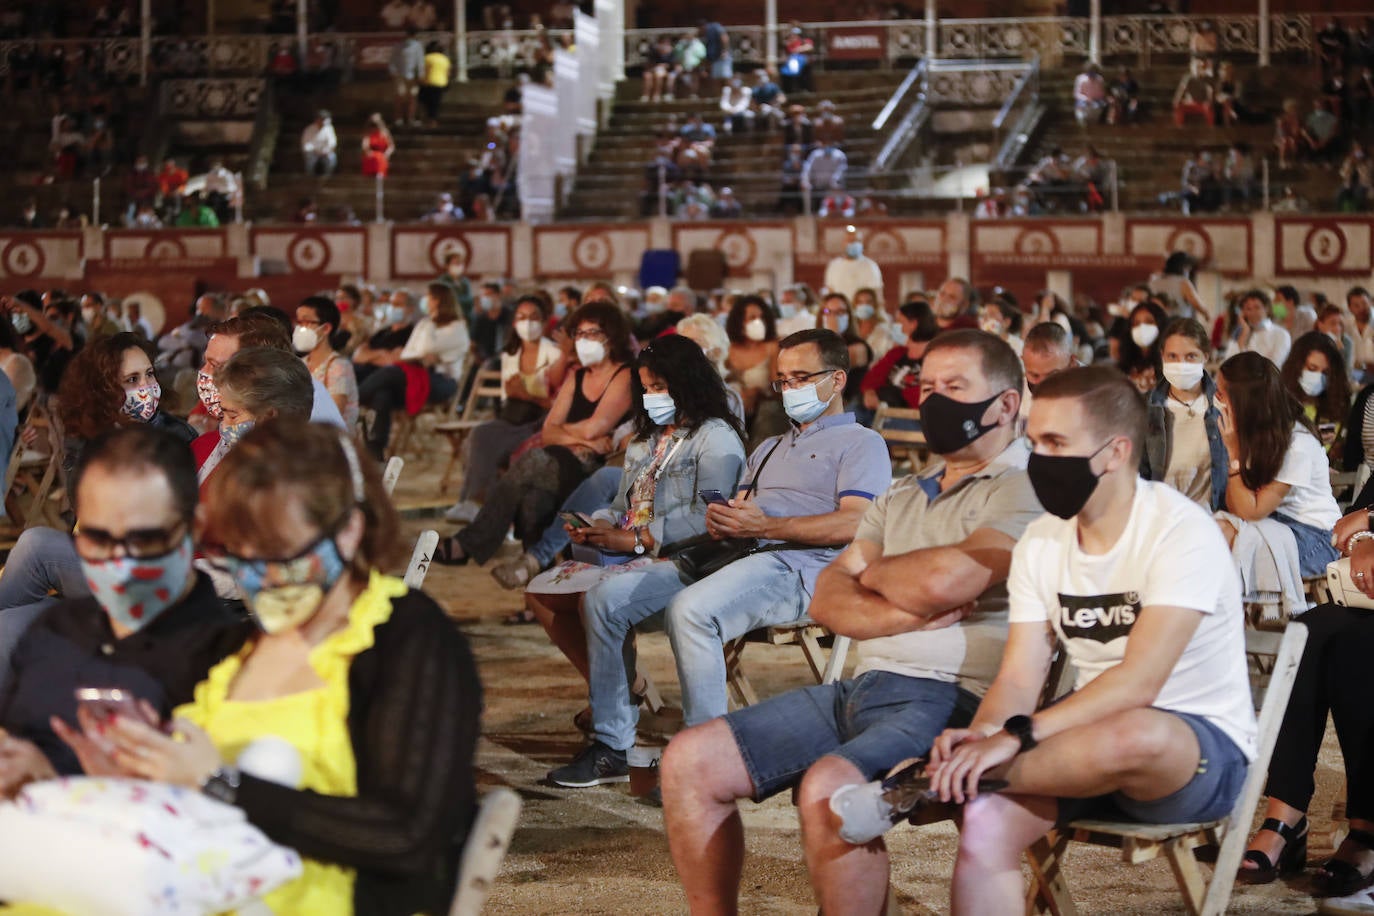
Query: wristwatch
point(222, 785)
point(1019, 727)
point(639, 541)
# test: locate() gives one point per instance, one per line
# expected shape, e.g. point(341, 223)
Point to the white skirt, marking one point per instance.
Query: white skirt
point(572, 577)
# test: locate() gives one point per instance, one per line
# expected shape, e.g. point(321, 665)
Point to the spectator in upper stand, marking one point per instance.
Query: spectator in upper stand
point(320, 146)
point(378, 147)
point(735, 99)
point(1124, 104)
point(1089, 96)
point(697, 130)
point(196, 213)
point(444, 211)
point(1333, 48)
point(406, 67)
point(222, 190)
point(1288, 133)
point(718, 54)
point(767, 99)
point(1091, 173)
point(1357, 178)
point(726, 206)
point(823, 172)
point(1289, 202)
point(1204, 46)
point(145, 217)
point(1320, 131)
point(796, 68)
point(140, 187)
point(1228, 95)
point(1241, 177)
point(852, 271)
point(1046, 180)
point(658, 70)
point(829, 127)
point(789, 194)
point(423, 16)
point(798, 130)
point(1194, 96)
point(437, 67)
point(688, 55)
point(1361, 96)
point(1198, 192)
point(1258, 333)
point(838, 204)
point(68, 148)
point(395, 14)
point(171, 183)
point(455, 278)
point(29, 217)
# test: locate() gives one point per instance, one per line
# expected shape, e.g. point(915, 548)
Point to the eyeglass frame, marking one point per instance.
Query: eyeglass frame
point(783, 384)
point(171, 539)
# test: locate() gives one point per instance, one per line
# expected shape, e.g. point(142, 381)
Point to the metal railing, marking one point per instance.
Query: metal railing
point(913, 121)
point(1019, 112)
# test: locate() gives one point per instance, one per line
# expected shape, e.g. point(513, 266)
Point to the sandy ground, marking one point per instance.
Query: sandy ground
point(594, 851)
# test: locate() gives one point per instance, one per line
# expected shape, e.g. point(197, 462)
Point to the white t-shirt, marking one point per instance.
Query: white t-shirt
point(449, 344)
point(1190, 454)
point(1308, 474)
point(1171, 554)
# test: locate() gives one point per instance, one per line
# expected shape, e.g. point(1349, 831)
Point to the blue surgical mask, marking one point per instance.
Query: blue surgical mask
point(135, 590)
point(803, 404)
point(841, 323)
point(864, 312)
point(660, 408)
point(787, 310)
point(854, 249)
point(897, 334)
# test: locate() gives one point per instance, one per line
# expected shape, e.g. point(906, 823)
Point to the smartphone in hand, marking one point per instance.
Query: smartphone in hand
point(575, 519)
point(105, 704)
point(712, 497)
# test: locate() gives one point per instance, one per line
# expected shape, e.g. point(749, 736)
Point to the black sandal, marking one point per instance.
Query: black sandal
point(444, 553)
point(1292, 858)
point(1338, 878)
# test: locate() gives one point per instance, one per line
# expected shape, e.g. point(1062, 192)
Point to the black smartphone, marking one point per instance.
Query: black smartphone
point(574, 519)
point(711, 497)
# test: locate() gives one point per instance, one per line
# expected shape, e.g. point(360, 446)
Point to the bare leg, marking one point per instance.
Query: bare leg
point(561, 618)
point(703, 775)
point(987, 871)
point(844, 878)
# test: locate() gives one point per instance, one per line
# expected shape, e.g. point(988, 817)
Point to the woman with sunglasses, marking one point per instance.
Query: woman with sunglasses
point(574, 441)
point(367, 692)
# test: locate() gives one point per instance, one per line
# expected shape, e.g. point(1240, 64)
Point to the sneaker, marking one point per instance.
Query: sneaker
point(462, 512)
point(595, 765)
point(517, 573)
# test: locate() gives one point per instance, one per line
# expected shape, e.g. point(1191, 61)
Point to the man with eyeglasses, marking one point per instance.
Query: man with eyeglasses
point(153, 626)
point(922, 592)
point(802, 497)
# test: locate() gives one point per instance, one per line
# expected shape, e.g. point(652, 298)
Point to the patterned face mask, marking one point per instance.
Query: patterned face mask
point(141, 403)
point(209, 394)
point(135, 590)
point(230, 435)
point(283, 594)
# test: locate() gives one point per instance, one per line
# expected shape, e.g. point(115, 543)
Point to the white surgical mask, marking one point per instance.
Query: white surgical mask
point(864, 312)
point(1144, 335)
point(755, 329)
point(305, 339)
point(1312, 383)
point(590, 352)
point(660, 408)
point(529, 330)
point(1183, 376)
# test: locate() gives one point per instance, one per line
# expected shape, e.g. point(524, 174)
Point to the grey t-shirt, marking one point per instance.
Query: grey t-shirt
point(915, 515)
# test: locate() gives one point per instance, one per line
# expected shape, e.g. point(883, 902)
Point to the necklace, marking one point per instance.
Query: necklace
point(1187, 405)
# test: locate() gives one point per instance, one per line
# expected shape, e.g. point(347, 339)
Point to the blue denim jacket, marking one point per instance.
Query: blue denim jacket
point(710, 457)
point(1160, 438)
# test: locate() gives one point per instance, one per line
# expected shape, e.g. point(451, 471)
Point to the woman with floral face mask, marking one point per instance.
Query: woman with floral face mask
point(256, 384)
point(365, 691)
point(1315, 373)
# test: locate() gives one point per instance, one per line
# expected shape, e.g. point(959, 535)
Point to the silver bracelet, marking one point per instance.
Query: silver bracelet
point(1355, 539)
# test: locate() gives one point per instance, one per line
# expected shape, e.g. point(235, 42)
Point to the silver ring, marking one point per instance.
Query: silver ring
point(1359, 575)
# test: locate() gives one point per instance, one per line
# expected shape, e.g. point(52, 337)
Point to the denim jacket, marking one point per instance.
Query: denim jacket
point(1159, 438)
point(709, 457)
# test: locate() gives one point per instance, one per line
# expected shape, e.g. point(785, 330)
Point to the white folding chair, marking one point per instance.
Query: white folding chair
point(485, 850)
point(1141, 842)
point(421, 557)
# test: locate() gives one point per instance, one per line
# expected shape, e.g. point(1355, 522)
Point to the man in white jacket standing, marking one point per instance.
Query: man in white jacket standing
point(320, 146)
point(852, 271)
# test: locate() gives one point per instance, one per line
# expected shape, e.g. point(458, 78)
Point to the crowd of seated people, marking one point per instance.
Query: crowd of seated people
point(704, 460)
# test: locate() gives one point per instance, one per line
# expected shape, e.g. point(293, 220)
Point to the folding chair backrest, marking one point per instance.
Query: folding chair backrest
point(485, 850)
point(486, 387)
point(910, 438)
point(1287, 651)
point(392, 473)
point(421, 557)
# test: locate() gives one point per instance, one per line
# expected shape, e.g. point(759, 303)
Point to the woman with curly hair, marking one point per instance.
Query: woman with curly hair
point(687, 439)
point(1140, 347)
point(1315, 373)
point(573, 442)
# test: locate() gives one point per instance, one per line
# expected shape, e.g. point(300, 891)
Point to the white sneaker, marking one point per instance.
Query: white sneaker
point(1361, 901)
point(462, 512)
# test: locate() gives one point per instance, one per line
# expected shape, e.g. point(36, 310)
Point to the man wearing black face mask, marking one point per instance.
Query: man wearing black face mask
point(921, 591)
point(1131, 578)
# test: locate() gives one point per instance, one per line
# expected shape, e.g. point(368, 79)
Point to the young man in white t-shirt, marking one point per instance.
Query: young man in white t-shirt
point(1138, 585)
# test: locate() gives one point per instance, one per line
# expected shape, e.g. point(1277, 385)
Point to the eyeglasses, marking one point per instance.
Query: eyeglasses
point(141, 544)
point(590, 335)
point(797, 381)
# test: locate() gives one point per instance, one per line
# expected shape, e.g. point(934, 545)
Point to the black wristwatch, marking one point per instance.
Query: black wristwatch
point(222, 785)
point(1019, 727)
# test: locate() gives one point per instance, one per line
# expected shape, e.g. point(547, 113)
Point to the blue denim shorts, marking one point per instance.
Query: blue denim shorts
point(874, 721)
point(1208, 796)
point(1314, 546)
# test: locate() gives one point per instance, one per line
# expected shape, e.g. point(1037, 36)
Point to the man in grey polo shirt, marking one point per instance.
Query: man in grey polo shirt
point(810, 486)
point(923, 590)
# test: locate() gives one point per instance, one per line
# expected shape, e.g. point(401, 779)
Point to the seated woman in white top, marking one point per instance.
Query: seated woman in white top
point(1278, 468)
point(429, 371)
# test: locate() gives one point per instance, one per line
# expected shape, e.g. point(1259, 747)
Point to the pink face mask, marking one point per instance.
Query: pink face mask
point(209, 394)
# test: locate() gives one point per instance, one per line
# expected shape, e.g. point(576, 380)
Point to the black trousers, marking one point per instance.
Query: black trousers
point(1333, 678)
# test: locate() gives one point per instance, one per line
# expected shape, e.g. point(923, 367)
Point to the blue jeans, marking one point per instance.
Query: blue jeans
point(596, 492)
point(874, 721)
point(1314, 546)
point(43, 561)
point(757, 591)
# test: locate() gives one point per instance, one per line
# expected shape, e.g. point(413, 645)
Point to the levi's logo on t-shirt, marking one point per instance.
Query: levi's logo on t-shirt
point(1101, 618)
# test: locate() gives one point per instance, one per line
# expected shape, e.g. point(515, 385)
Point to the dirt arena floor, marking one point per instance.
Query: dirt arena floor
point(598, 851)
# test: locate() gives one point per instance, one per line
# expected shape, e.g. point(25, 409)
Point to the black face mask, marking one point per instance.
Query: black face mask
point(1063, 483)
point(949, 425)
